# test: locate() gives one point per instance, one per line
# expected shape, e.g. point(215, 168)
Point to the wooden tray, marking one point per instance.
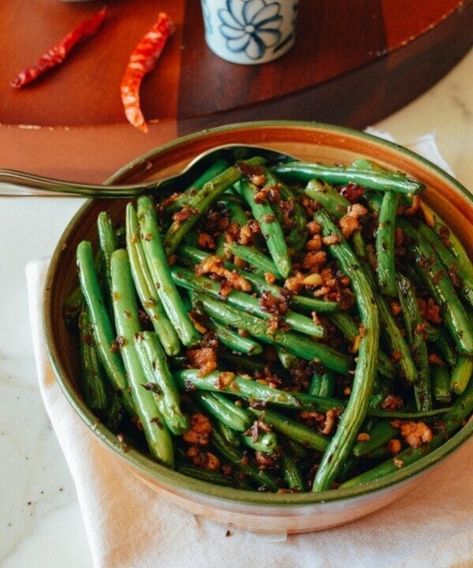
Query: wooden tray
point(349, 66)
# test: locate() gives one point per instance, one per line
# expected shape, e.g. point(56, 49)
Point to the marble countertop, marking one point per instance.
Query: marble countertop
point(40, 522)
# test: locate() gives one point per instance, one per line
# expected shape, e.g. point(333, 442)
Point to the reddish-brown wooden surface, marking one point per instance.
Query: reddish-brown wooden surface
point(353, 63)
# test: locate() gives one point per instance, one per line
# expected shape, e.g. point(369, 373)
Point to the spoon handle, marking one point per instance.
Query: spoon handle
point(20, 184)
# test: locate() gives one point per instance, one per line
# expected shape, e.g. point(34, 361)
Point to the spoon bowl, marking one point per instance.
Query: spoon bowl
point(19, 184)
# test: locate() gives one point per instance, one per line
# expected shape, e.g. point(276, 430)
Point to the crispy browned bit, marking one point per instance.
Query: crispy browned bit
point(313, 280)
point(398, 463)
point(206, 241)
point(429, 310)
point(314, 228)
point(183, 214)
point(213, 266)
point(363, 437)
point(248, 232)
point(314, 244)
point(225, 379)
point(257, 427)
point(309, 205)
point(444, 234)
point(392, 402)
point(161, 206)
point(202, 358)
point(199, 430)
point(416, 433)
point(269, 277)
point(331, 417)
point(266, 461)
point(203, 459)
point(434, 359)
point(347, 391)
point(295, 283)
point(396, 356)
point(232, 234)
point(268, 378)
point(275, 305)
point(254, 173)
point(411, 210)
point(421, 329)
point(394, 446)
point(199, 321)
point(395, 307)
point(331, 239)
point(350, 222)
point(313, 260)
point(352, 192)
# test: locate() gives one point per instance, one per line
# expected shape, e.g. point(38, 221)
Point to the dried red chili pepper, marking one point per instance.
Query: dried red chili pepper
point(58, 53)
point(143, 60)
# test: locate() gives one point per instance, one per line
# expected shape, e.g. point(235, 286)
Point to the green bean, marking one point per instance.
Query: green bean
point(114, 413)
point(412, 321)
point(452, 421)
point(365, 371)
point(236, 458)
point(297, 235)
point(385, 249)
point(225, 411)
point(291, 474)
point(339, 175)
point(201, 201)
point(107, 244)
point(155, 364)
point(214, 477)
point(455, 248)
point(390, 329)
point(161, 274)
point(441, 287)
point(300, 345)
point(349, 328)
point(236, 216)
point(231, 437)
point(269, 226)
point(295, 430)
point(266, 442)
point(235, 342)
point(379, 435)
point(287, 359)
point(258, 260)
point(463, 269)
point(445, 348)
point(183, 198)
point(92, 374)
point(145, 286)
point(104, 335)
point(187, 279)
point(125, 310)
point(322, 385)
point(328, 197)
point(461, 374)
point(245, 387)
point(441, 384)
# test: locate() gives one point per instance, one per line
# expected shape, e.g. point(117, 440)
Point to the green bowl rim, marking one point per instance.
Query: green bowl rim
point(178, 481)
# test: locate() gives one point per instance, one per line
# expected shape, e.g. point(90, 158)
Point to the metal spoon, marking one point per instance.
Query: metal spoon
point(20, 184)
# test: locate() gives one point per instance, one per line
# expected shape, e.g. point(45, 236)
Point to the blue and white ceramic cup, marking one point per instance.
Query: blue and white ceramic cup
point(249, 31)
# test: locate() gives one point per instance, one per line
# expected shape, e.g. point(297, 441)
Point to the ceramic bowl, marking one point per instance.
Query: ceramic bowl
point(251, 510)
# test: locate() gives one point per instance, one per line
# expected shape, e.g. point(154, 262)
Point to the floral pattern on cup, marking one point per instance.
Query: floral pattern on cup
point(249, 31)
point(252, 26)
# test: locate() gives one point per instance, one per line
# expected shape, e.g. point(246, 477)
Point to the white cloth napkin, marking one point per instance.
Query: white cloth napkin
point(130, 526)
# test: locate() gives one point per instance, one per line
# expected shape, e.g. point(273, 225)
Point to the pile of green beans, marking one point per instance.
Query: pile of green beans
point(210, 342)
